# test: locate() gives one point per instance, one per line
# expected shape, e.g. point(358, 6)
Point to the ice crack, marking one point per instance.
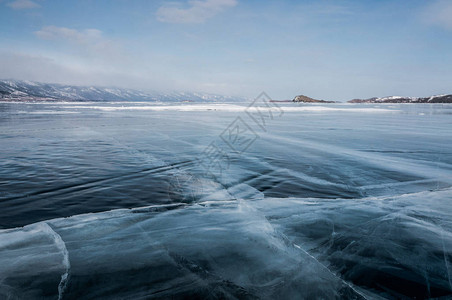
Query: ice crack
point(66, 263)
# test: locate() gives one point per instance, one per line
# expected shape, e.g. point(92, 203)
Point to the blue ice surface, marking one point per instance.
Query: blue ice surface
point(130, 200)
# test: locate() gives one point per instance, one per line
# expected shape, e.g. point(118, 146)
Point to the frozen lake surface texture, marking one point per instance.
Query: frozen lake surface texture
point(219, 201)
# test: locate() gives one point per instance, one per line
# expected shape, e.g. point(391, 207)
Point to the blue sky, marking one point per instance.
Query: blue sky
point(334, 50)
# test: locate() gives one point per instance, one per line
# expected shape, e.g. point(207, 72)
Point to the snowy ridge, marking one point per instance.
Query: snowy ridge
point(21, 90)
point(383, 99)
point(402, 99)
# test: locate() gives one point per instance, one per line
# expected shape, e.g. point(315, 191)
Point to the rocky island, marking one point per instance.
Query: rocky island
point(306, 99)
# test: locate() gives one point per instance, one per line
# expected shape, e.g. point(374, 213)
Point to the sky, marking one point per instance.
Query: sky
point(332, 50)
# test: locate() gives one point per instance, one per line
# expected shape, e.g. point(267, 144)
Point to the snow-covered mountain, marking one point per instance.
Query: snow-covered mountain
point(20, 90)
point(400, 99)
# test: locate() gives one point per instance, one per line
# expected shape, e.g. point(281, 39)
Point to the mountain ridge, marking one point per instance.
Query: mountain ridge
point(400, 99)
point(23, 90)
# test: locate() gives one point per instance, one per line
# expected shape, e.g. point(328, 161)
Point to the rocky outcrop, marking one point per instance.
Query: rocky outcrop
point(306, 99)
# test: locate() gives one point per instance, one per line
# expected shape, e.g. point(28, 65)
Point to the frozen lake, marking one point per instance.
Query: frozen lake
point(138, 200)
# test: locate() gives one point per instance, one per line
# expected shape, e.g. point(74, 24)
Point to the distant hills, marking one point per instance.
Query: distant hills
point(20, 90)
point(391, 99)
point(399, 99)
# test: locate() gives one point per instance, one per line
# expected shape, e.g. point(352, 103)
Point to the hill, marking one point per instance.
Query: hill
point(20, 90)
point(306, 99)
point(399, 99)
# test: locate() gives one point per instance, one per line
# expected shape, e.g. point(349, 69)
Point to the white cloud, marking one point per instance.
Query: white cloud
point(82, 37)
point(439, 13)
point(73, 70)
point(34, 67)
point(197, 12)
point(89, 41)
point(23, 4)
